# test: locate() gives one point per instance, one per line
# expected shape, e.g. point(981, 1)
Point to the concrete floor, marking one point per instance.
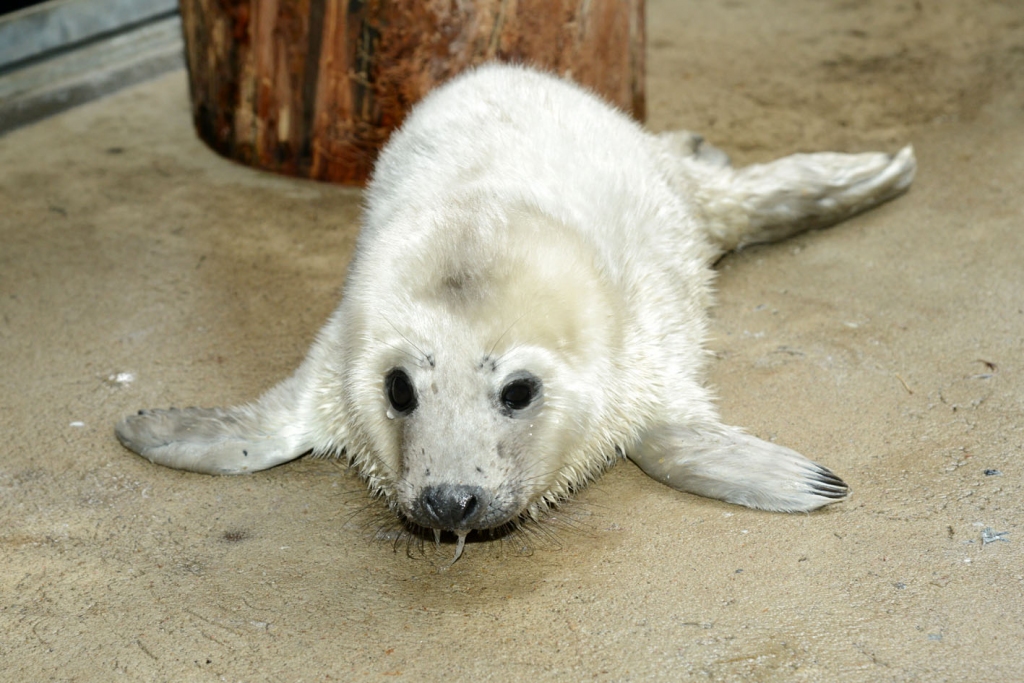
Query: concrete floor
point(139, 269)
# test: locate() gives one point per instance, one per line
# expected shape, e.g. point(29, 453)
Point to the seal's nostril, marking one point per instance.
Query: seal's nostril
point(468, 507)
point(432, 502)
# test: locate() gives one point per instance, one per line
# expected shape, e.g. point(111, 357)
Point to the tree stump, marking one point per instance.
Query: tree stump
point(313, 88)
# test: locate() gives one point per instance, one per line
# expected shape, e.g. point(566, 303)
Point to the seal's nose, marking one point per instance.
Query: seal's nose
point(453, 507)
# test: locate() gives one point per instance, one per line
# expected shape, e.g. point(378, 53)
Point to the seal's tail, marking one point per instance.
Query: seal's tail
point(769, 202)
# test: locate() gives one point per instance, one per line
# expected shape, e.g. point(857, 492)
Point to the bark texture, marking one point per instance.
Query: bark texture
point(314, 87)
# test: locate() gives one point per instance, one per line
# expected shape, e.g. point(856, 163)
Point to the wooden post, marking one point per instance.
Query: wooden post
point(313, 88)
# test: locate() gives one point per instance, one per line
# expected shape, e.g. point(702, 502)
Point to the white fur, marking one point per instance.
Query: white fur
point(518, 227)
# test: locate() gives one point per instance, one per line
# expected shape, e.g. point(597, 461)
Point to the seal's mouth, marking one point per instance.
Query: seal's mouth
point(414, 531)
point(460, 509)
point(515, 531)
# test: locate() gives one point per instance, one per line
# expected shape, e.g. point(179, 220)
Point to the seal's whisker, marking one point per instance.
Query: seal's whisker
point(379, 462)
point(539, 475)
point(531, 530)
point(413, 357)
point(501, 359)
point(426, 357)
point(490, 350)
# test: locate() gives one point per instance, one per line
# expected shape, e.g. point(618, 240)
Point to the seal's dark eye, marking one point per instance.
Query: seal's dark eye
point(400, 393)
point(519, 393)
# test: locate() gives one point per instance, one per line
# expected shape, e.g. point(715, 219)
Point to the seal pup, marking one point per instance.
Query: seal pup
point(526, 305)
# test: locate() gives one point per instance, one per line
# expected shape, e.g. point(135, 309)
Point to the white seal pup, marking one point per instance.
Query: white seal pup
point(526, 305)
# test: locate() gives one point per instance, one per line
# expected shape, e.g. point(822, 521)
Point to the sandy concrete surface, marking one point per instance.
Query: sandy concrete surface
point(139, 269)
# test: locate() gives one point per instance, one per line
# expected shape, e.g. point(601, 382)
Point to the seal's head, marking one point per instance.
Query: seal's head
point(484, 389)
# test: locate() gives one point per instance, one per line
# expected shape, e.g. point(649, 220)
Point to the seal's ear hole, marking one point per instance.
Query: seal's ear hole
point(400, 392)
point(520, 392)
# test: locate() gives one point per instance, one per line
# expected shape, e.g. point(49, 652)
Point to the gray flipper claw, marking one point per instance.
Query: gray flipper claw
point(825, 483)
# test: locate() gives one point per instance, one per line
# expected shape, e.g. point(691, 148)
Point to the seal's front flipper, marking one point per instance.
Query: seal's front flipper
point(222, 440)
point(726, 463)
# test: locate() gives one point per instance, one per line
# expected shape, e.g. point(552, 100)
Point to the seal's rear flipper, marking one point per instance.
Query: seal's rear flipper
point(726, 463)
point(769, 202)
point(222, 440)
point(806, 191)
